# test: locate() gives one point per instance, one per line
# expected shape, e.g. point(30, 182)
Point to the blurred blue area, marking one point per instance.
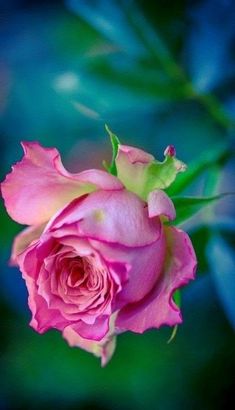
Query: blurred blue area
point(222, 264)
point(158, 73)
point(210, 46)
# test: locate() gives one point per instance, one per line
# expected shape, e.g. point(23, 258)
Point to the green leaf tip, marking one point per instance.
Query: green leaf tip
point(173, 334)
point(177, 300)
point(187, 207)
point(112, 169)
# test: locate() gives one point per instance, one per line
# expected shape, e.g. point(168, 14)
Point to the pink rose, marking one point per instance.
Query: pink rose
point(97, 257)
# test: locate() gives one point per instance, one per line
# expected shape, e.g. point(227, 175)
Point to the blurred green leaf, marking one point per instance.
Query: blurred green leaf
point(110, 18)
point(9, 228)
point(141, 60)
point(150, 82)
point(219, 155)
point(187, 207)
point(200, 237)
point(177, 297)
point(134, 35)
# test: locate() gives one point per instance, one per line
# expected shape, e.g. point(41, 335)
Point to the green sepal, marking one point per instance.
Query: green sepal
point(112, 169)
point(160, 175)
point(143, 177)
point(177, 297)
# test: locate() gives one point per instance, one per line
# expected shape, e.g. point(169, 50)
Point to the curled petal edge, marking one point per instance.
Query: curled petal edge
point(158, 307)
point(159, 204)
point(39, 185)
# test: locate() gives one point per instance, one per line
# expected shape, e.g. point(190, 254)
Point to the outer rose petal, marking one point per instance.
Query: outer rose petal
point(24, 239)
point(110, 216)
point(103, 349)
point(96, 331)
point(131, 164)
point(159, 204)
point(158, 308)
point(142, 174)
point(133, 155)
point(42, 317)
point(39, 185)
point(45, 317)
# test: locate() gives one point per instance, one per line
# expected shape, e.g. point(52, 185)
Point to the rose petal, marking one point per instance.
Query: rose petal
point(96, 331)
point(133, 155)
point(159, 204)
point(158, 308)
point(144, 265)
point(39, 185)
point(110, 216)
point(103, 349)
point(141, 173)
point(131, 164)
point(101, 179)
point(24, 239)
point(42, 317)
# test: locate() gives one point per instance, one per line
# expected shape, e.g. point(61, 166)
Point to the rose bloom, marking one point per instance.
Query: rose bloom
point(97, 258)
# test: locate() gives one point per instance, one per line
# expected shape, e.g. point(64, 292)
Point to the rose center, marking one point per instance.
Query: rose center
point(76, 272)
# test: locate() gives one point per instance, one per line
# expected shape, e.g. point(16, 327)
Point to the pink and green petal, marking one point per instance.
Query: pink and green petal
point(131, 166)
point(142, 174)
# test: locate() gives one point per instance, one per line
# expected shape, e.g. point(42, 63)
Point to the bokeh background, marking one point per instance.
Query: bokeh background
point(157, 73)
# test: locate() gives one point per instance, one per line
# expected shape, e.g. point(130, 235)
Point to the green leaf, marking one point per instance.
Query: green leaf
point(140, 80)
point(115, 143)
point(187, 207)
point(209, 159)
